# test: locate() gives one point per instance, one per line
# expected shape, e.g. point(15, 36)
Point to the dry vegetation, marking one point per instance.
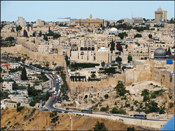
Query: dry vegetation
point(40, 120)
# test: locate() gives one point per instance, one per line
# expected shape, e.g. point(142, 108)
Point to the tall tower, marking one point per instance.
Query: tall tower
point(160, 14)
point(90, 16)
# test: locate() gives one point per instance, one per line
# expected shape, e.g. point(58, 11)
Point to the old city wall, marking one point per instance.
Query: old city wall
point(165, 78)
point(80, 87)
point(35, 55)
point(5, 35)
point(25, 42)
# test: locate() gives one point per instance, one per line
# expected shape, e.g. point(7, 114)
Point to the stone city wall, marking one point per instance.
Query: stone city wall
point(35, 55)
point(5, 35)
point(81, 86)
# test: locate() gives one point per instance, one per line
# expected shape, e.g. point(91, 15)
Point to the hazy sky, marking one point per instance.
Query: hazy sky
point(111, 10)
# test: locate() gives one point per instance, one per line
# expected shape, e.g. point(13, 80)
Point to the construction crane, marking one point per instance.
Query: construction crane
point(67, 18)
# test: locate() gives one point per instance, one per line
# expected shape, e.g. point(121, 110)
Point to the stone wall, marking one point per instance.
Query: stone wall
point(111, 82)
point(5, 35)
point(35, 55)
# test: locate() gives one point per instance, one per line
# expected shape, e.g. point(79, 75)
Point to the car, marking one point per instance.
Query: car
point(65, 111)
point(59, 111)
point(67, 108)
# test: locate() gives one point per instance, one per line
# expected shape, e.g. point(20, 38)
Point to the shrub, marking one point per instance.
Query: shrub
point(170, 96)
point(32, 103)
point(132, 108)
point(135, 102)
point(132, 84)
point(32, 112)
point(130, 129)
point(127, 105)
point(25, 116)
point(162, 110)
point(19, 108)
point(146, 98)
point(99, 127)
point(145, 92)
point(153, 95)
point(116, 111)
point(171, 105)
point(9, 122)
point(106, 96)
point(53, 113)
point(105, 108)
point(93, 102)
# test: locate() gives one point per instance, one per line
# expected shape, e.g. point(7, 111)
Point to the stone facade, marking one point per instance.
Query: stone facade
point(142, 71)
point(59, 59)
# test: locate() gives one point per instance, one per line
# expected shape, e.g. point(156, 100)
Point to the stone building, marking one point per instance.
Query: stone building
point(89, 22)
point(8, 85)
point(21, 21)
point(160, 14)
point(91, 54)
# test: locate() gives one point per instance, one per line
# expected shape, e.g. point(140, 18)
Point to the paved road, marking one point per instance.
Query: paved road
point(50, 107)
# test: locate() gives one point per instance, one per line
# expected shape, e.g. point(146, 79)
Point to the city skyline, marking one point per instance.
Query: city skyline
point(112, 10)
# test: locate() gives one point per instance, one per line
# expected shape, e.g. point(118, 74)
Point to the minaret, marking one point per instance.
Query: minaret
point(90, 16)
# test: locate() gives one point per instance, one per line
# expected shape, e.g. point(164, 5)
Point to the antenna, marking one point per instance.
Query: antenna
point(132, 15)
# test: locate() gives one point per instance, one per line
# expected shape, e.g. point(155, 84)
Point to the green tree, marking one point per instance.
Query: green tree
point(122, 35)
point(106, 96)
point(145, 92)
point(126, 46)
point(93, 75)
point(24, 74)
point(40, 33)
point(150, 36)
point(137, 35)
point(47, 64)
point(112, 46)
point(49, 29)
point(45, 38)
point(18, 28)
point(32, 103)
point(118, 59)
point(103, 64)
point(9, 39)
point(100, 127)
point(129, 58)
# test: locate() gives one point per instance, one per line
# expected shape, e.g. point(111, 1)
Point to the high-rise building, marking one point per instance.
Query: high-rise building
point(160, 15)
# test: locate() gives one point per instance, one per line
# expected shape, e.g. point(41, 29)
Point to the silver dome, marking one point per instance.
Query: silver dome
point(159, 52)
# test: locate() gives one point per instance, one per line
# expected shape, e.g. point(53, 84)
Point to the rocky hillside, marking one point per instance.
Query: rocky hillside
point(30, 119)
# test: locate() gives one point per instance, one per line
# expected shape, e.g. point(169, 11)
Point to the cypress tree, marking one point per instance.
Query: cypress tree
point(23, 74)
point(112, 46)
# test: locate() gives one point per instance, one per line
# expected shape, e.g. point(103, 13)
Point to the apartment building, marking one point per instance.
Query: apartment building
point(8, 85)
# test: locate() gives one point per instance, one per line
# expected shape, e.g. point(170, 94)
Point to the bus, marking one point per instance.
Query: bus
point(140, 116)
point(86, 111)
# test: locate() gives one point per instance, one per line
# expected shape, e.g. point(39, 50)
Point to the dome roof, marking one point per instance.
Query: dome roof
point(159, 52)
point(113, 30)
point(103, 49)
